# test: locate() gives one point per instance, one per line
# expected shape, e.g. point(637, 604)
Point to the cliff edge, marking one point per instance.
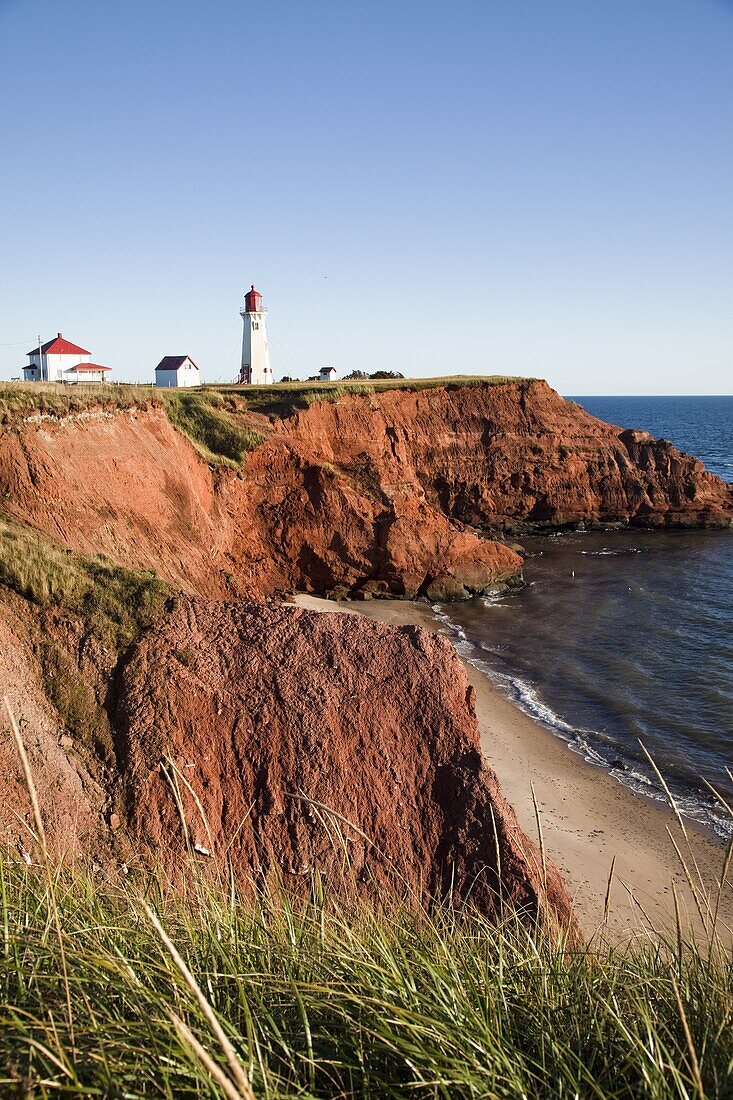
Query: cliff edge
point(401, 492)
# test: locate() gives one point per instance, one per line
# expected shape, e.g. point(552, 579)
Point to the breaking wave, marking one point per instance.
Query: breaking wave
point(594, 746)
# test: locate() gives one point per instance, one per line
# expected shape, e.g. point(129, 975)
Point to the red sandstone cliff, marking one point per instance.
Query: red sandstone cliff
point(270, 714)
point(386, 492)
point(514, 455)
point(302, 741)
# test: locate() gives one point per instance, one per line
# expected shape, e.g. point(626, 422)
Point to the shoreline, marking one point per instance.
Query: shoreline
point(589, 820)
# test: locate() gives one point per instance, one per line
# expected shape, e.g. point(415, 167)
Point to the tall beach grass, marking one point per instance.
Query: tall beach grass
point(320, 997)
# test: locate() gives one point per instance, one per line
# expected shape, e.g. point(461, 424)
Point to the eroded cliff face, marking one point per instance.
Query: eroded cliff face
point(514, 456)
point(122, 483)
point(391, 493)
point(274, 743)
point(74, 802)
point(301, 742)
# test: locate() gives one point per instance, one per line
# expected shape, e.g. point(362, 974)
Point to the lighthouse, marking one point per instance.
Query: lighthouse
point(256, 369)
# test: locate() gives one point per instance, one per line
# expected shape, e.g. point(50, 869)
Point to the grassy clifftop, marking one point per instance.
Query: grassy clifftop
point(285, 398)
point(223, 422)
point(19, 400)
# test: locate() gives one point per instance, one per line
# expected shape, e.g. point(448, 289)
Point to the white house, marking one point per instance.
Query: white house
point(255, 369)
point(176, 371)
point(327, 374)
point(51, 362)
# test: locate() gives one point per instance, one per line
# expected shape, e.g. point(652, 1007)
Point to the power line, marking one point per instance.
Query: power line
point(280, 344)
point(226, 365)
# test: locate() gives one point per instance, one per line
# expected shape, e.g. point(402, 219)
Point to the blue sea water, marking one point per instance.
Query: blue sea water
point(627, 637)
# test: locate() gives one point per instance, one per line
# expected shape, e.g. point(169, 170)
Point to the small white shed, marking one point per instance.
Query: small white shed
point(327, 374)
point(176, 371)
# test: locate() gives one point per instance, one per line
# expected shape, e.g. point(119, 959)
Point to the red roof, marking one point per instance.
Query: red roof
point(59, 346)
point(86, 366)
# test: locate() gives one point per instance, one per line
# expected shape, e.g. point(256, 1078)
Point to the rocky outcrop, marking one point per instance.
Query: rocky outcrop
point(300, 742)
point(513, 456)
point(274, 742)
point(321, 527)
point(396, 493)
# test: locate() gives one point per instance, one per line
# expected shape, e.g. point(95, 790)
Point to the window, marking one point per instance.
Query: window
point(255, 324)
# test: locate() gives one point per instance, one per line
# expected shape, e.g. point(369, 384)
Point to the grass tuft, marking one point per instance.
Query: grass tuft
point(207, 419)
point(116, 603)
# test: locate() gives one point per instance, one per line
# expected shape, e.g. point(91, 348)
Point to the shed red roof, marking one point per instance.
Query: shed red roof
point(86, 366)
point(59, 346)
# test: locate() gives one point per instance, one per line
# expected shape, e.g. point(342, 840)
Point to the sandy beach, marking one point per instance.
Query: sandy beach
point(589, 821)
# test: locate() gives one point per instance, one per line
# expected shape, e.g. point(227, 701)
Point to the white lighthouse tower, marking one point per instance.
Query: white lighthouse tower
point(256, 369)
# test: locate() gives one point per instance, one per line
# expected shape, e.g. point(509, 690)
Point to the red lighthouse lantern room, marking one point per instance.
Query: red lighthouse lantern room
point(253, 300)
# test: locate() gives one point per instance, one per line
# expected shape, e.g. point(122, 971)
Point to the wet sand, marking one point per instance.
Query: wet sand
point(589, 821)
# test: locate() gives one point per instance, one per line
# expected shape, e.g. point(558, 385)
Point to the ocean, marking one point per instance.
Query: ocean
point(625, 637)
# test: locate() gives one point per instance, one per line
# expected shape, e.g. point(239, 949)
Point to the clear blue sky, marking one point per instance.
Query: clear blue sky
point(541, 188)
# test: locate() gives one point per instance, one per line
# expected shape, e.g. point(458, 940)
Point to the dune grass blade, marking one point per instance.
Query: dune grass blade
point(41, 835)
point(243, 1086)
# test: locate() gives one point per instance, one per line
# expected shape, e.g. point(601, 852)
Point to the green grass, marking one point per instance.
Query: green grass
point(116, 603)
point(208, 419)
point(320, 998)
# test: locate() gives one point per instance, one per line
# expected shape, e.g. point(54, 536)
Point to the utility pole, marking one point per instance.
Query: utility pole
point(40, 358)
